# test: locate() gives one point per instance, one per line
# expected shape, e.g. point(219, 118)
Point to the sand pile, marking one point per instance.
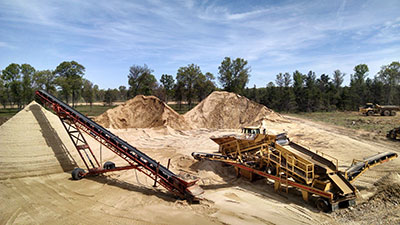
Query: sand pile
point(225, 110)
point(142, 112)
point(34, 142)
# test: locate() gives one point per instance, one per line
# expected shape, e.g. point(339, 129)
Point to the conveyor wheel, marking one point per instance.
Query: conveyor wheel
point(109, 165)
point(78, 173)
point(323, 205)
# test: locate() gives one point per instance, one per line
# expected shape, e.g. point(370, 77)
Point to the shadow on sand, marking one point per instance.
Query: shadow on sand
point(68, 163)
point(260, 186)
point(53, 140)
point(166, 196)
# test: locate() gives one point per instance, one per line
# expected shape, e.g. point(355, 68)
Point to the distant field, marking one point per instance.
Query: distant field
point(6, 114)
point(354, 120)
point(93, 111)
point(184, 108)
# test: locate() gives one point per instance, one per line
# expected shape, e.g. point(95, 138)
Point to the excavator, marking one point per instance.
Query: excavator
point(256, 154)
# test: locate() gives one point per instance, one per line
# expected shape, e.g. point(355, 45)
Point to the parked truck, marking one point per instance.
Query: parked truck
point(371, 109)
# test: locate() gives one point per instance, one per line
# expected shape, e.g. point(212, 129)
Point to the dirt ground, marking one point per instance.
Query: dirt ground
point(36, 157)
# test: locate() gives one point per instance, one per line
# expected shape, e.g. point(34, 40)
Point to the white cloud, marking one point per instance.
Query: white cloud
point(6, 45)
point(305, 34)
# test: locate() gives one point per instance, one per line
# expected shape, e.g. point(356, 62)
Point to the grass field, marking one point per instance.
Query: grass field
point(7, 113)
point(93, 111)
point(184, 108)
point(354, 120)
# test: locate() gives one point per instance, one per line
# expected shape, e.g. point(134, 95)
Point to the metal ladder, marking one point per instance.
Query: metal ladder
point(79, 142)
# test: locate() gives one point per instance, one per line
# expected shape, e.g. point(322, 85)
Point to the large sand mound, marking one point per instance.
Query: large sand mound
point(225, 110)
point(142, 112)
point(34, 142)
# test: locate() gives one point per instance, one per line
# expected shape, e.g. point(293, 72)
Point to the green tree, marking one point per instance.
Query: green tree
point(179, 92)
point(11, 76)
point(285, 94)
point(269, 98)
point(188, 76)
point(234, 74)
point(110, 96)
point(390, 77)
point(338, 78)
point(123, 93)
point(377, 91)
point(96, 93)
point(141, 80)
point(88, 92)
point(69, 78)
point(204, 85)
point(358, 86)
point(168, 83)
point(326, 88)
point(299, 90)
point(44, 80)
point(3, 93)
point(312, 92)
point(27, 72)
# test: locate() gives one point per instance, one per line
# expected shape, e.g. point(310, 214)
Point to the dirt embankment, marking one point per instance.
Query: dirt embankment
point(142, 112)
point(225, 110)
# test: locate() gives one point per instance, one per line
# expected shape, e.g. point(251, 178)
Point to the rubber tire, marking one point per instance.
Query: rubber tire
point(78, 173)
point(323, 205)
point(386, 113)
point(109, 165)
point(370, 113)
point(393, 113)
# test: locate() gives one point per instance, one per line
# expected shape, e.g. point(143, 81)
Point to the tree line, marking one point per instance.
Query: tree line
point(296, 92)
point(19, 82)
point(299, 92)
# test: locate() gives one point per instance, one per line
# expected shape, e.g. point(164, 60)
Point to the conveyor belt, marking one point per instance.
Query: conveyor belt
point(357, 168)
point(169, 179)
point(315, 157)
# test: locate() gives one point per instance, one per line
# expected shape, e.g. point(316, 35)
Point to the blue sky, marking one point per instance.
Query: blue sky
point(107, 37)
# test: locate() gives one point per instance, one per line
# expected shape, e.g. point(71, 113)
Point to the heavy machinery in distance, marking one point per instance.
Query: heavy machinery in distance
point(394, 134)
point(255, 154)
point(371, 109)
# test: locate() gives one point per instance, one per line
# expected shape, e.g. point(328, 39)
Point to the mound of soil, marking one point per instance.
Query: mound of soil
point(34, 142)
point(225, 110)
point(142, 112)
point(381, 208)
